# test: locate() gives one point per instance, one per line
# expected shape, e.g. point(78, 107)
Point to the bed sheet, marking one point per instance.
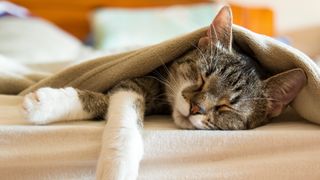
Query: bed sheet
point(288, 148)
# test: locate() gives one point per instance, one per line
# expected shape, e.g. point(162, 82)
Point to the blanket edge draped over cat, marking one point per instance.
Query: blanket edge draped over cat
point(104, 72)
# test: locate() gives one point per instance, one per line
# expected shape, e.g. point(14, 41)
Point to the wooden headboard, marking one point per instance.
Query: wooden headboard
point(73, 15)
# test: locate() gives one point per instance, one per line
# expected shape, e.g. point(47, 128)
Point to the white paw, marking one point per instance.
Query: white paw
point(120, 155)
point(48, 105)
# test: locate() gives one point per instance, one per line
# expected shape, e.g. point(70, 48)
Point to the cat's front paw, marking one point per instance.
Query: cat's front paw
point(48, 105)
point(120, 155)
point(115, 170)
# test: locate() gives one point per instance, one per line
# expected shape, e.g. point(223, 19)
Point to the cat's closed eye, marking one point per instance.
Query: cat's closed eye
point(222, 108)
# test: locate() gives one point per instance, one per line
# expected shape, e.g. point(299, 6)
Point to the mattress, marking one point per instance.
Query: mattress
point(287, 148)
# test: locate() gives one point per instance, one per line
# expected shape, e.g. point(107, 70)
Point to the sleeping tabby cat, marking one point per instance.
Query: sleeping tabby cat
point(214, 86)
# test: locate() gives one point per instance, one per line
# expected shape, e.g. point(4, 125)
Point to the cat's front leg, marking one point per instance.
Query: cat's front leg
point(47, 105)
point(122, 145)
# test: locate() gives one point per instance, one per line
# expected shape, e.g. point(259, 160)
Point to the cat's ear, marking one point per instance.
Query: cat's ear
point(210, 39)
point(222, 24)
point(219, 30)
point(282, 89)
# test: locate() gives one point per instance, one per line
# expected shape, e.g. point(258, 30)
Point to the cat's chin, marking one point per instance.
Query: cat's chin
point(182, 121)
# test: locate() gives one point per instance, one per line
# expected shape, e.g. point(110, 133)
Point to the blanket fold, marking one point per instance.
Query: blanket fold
point(102, 73)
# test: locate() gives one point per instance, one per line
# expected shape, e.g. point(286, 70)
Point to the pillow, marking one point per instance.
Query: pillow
point(125, 29)
point(34, 40)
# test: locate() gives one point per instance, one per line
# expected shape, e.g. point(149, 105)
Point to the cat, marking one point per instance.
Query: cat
point(215, 87)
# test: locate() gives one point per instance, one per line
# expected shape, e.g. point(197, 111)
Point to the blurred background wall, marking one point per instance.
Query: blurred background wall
point(289, 14)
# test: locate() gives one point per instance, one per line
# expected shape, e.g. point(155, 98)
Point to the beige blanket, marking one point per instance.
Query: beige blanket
point(102, 73)
point(288, 148)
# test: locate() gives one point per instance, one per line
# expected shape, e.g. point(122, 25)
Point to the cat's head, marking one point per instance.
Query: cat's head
point(219, 88)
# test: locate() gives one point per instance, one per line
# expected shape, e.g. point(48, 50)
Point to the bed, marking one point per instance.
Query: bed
point(287, 148)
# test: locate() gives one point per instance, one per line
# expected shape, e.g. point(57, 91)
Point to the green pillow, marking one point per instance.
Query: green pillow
point(118, 29)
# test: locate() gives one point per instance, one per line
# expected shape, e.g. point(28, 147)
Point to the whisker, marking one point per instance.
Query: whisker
point(171, 89)
point(200, 50)
point(164, 80)
point(166, 68)
point(203, 58)
point(270, 99)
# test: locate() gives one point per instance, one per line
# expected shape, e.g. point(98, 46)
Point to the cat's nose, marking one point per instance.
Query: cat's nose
point(196, 109)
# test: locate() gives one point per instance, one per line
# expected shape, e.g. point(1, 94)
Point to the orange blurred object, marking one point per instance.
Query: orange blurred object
point(73, 15)
point(257, 19)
